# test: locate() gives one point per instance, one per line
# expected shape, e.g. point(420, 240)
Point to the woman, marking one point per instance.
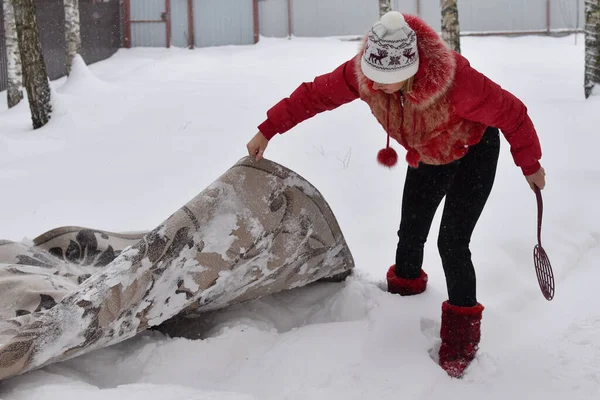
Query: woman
point(447, 116)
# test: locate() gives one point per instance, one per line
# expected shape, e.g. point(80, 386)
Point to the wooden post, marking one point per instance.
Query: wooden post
point(289, 15)
point(168, 21)
point(256, 18)
point(127, 24)
point(190, 10)
point(548, 23)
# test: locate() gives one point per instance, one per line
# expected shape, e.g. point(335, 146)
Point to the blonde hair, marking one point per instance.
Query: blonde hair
point(408, 86)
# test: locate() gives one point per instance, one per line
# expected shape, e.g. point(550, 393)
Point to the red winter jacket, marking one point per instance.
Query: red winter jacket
point(450, 99)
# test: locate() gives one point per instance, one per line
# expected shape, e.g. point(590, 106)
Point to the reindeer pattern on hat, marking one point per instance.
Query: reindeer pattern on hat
point(388, 55)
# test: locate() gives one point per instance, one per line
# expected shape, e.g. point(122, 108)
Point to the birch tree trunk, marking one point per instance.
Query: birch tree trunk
point(15, 78)
point(450, 25)
point(72, 31)
point(385, 6)
point(35, 77)
point(592, 45)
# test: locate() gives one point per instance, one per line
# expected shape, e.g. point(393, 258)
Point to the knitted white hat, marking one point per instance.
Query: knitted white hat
point(391, 53)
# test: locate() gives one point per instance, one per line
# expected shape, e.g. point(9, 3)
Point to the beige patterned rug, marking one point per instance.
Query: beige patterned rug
point(257, 229)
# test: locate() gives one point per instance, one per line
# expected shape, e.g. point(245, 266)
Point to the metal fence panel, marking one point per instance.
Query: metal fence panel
point(431, 12)
point(502, 15)
point(428, 10)
point(405, 6)
point(333, 17)
point(100, 32)
point(146, 10)
point(148, 34)
point(273, 18)
point(50, 16)
point(481, 16)
point(223, 22)
point(567, 14)
point(100, 29)
point(179, 23)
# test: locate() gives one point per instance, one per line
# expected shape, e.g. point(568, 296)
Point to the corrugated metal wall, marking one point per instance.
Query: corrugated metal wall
point(100, 29)
point(480, 16)
point(318, 18)
point(513, 15)
point(51, 23)
point(407, 6)
point(273, 18)
point(100, 32)
point(564, 14)
point(333, 17)
point(179, 23)
point(216, 22)
point(223, 22)
point(147, 34)
point(352, 17)
point(431, 12)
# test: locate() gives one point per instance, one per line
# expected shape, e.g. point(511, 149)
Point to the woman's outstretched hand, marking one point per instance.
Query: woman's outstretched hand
point(256, 147)
point(538, 179)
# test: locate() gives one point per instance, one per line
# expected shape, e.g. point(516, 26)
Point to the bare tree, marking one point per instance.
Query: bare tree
point(592, 45)
point(450, 25)
point(384, 7)
point(35, 76)
point(15, 78)
point(72, 31)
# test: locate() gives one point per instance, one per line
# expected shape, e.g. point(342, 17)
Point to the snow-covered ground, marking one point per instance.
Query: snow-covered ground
point(134, 137)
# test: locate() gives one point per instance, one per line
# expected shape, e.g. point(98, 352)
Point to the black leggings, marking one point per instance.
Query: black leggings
point(466, 183)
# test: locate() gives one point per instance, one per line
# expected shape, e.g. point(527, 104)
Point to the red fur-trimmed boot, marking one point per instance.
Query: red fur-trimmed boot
point(405, 287)
point(460, 334)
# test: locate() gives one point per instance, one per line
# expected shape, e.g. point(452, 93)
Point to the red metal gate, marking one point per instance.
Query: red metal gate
point(164, 17)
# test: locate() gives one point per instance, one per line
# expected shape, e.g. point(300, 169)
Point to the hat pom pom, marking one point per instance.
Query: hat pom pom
point(387, 157)
point(393, 20)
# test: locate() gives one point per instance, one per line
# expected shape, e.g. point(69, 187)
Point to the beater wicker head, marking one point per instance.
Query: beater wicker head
point(543, 269)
